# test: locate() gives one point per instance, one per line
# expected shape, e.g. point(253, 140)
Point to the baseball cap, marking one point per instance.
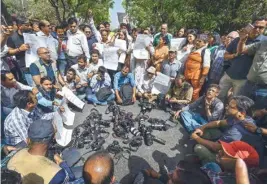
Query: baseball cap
point(151, 69)
point(41, 131)
point(241, 150)
point(173, 49)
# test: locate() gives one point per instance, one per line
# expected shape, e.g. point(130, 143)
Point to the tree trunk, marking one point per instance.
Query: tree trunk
point(5, 14)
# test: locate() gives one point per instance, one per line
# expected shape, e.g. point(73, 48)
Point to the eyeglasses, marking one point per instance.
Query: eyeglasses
point(46, 53)
point(87, 32)
point(259, 27)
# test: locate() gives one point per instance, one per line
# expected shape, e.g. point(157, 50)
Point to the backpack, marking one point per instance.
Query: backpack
point(126, 93)
point(103, 94)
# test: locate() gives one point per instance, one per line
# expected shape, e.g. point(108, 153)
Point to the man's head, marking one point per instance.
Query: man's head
point(40, 134)
point(44, 54)
point(151, 71)
point(146, 31)
point(23, 25)
point(25, 99)
point(135, 32)
point(239, 107)
point(72, 22)
point(164, 29)
point(60, 31)
point(99, 169)
point(101, 72)
point(7, 79)
point(35, 26)
point(237, 150)
point(172, 53)
point(107, 25)
point(259, 26)
point(213, 91)
point(200, 42)
point(10, 177)
point(123, 26)
point(87, 31)
point(125, 70)
point(94, 56)
point(46, 84)
point(179, 80)
point(71, 74)
point(82, 61)
point(45, 27)
point(230, 37)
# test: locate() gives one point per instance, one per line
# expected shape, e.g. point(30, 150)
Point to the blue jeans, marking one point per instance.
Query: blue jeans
point(62, 64)
point(92, 98)
point(192, 120)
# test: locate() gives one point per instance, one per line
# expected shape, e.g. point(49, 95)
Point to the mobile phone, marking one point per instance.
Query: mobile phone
point(249, 27)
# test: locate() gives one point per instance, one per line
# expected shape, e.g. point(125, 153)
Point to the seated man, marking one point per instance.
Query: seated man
point(207, 135)
point(100, 85)
point(46, 96)
point(171, 66)
point(31, 162)
point(18, 121)
point(97, 169)
point(180, 94)
point(95, 63)
point(145, 86)
point(82, 72)
point(207, 108)
point(9, 87)
point(70, 79)
point(124, 86)
point(45, 66)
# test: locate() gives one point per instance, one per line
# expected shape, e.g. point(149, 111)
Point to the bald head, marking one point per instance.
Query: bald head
point(44, 54)
point(98, 169)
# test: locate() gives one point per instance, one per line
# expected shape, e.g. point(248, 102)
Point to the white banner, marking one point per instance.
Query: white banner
point(178, 43)
point(111, 59)
point(161, 84)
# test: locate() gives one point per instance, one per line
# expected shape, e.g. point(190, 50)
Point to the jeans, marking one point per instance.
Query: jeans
point(82, 92)
point(62, 64)
point(192, 120)
point(92, 98)
point(28, 77)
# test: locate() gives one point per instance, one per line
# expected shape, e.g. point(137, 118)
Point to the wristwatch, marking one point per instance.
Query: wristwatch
point(259, 131)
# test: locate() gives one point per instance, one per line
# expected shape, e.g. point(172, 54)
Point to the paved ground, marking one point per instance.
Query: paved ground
point(153, 156)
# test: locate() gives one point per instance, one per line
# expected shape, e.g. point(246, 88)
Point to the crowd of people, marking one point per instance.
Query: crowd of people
point(218, 94)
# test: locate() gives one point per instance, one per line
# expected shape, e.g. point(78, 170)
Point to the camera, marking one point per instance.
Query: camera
point(145, 107)
point(160, 126)
point(135, 131)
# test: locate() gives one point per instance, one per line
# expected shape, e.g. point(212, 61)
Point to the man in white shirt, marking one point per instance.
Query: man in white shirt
point(77, 43)
point(51, 42)
point(9, 87)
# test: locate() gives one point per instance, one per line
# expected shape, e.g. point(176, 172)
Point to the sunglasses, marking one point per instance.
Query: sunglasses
point(259, 27)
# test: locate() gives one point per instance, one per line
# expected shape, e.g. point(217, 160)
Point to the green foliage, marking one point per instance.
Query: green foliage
point(219, 15)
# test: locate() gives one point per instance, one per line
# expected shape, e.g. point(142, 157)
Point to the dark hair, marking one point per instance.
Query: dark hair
point(126, 38)
point(42, 24)
point(10, 177)
point(215, 86)
point(185, 31)
point(106, 23)
point(104, 31)
point(98, 27)
point(82, 57)
point(86, 26)
point(34, 22)
point(43, 79)
point(165, 39)
point(72, 20)
point(72, 70)
point(81, 27)
point(95, 51)
point(261, 18)
point(123, 24)
point(243, 104)
point(191, 32)
point(59, 27)
point(3, 74)
point(102, 70)
point(21, 98)
point(64, 24)
point(105, 178)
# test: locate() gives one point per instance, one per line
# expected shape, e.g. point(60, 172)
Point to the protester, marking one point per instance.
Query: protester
point(4, 35)
point(77, 43)
point(171, 66)
point(71, 80)
point(45, 66)
point(31, 162)
point(100, 88)
point(95, 63)
point(163, 33)
point(179, 94)
point(181, 33)
point(161, 52)
point(9, 87)
point(144, 88)
point(124, 86)
point(207, 108)
point(197, 66)
point(91, 39)
point(35, 26)
point(21, 117)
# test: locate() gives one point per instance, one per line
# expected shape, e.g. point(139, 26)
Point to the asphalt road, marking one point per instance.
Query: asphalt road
point(177, 145)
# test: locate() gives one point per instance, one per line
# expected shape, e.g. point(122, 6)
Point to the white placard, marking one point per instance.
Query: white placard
point(65, 137)
point(178, 43)
point(141, 54)
point(100, 48)
point(68, 94)
point(121, 44)
point(161, 84)
point(142, 41)
point(122, 58)
point(67, 116)
point(111, 59)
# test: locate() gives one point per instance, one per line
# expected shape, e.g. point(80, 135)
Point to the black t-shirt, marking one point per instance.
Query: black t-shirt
point(15, 41)
point(239, 66)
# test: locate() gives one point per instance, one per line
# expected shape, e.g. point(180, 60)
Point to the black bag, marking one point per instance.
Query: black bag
point(126, 93)
point(103, 94)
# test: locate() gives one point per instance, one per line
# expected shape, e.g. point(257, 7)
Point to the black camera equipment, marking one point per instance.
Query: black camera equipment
point(160, 126)
point(135, 131)
point(134, 143)
point(149, 139)
point(118, 151)
point(145, 106)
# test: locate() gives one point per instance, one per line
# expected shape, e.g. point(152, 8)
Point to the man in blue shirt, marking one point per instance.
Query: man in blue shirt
point(207, 136)
point(122, 82)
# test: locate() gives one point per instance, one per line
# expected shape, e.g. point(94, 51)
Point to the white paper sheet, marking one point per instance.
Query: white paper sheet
point(178, 43)
point(122, 58)
point(142, 41)
point(100, 48)
point(141, 54)
point(111, 58)
point(67, 116)
point(68, 94)
point(121, 44)
point(161, 84)
point(65, 137)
